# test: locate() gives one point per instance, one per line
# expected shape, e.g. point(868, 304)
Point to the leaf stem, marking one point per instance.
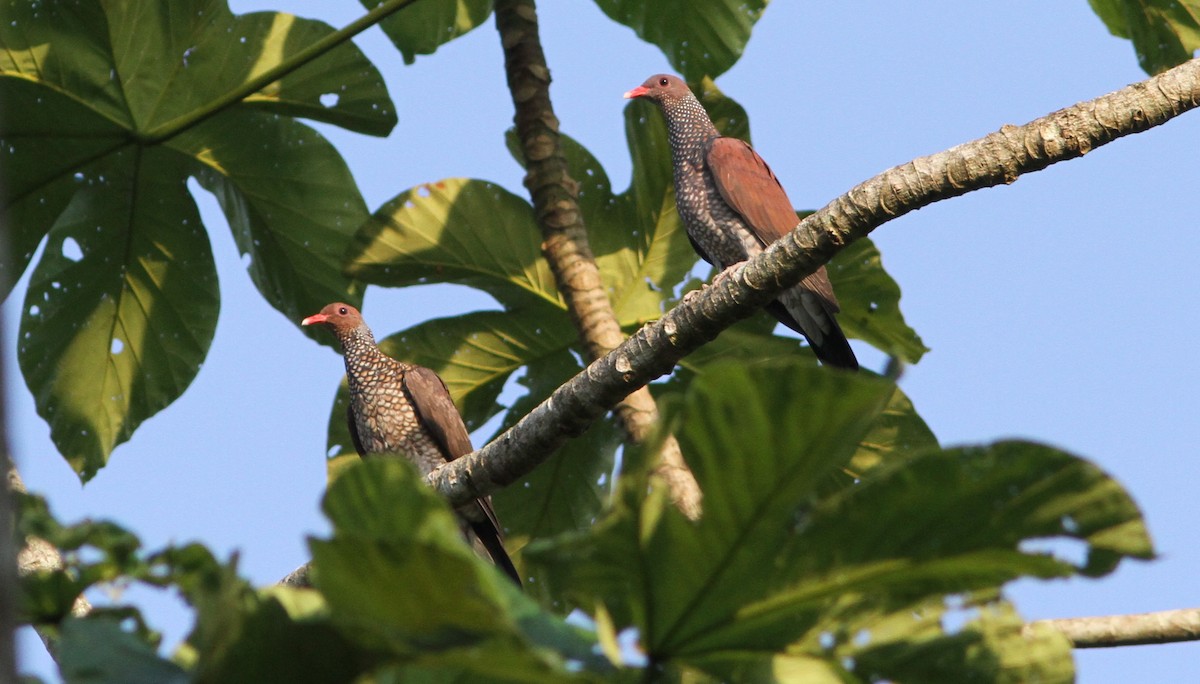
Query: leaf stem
point(180, 124)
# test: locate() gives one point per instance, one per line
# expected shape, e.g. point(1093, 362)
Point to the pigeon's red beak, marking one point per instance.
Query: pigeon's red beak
point(637, 92)
point(315, 318)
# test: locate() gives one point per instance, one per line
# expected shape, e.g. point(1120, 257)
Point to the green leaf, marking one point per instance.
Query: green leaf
point(991, 646)
point(276, 634)
point(36, 191)
point(870, 302)
point(98, 651)
point(897, 431)
point(204, 50)
point(240, 635)
point(48, 592)
point(991, 499)
point(912, 645)
point(423, 27)
point(749, 342)
point(456, 230)
point(830, 563)
point(798, 423)
point(641, 255)
point(122, 307)
point(1165, 33)
point(699, 38)
point(290, 202)
point(391, 531)
point(105, 122)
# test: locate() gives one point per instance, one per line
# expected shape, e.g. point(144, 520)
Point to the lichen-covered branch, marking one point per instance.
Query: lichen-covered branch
point(1001, 157)
point(564, 237)
point(1163, 627)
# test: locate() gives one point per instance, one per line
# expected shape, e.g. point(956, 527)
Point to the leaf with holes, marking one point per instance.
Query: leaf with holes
point(105, 121)
point(456, 230)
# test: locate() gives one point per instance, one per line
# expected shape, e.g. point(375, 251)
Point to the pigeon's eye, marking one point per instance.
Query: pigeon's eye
point(342, 310)
point(662, 82)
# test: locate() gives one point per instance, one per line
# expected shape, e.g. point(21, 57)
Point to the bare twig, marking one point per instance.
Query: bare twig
point(299, 577)
point(1163, 627)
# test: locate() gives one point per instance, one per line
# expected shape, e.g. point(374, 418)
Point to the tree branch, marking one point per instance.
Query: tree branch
point(1000, 157)
point(1163, 627)
point(564, 237)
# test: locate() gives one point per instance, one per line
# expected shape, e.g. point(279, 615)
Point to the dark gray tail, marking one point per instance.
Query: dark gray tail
point(834, 350)
point(490, 538)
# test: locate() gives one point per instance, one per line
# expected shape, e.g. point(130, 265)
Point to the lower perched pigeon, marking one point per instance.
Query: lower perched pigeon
point(401, 408)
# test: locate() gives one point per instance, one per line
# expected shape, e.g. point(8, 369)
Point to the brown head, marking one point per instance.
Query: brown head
point(662, 89)
point(341, 317)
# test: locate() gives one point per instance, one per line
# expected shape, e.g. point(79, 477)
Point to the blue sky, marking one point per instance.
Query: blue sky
point(1060, 308)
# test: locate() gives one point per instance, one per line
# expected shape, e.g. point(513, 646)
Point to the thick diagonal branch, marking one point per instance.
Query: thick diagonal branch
point(1001, 157)
point(564, 237)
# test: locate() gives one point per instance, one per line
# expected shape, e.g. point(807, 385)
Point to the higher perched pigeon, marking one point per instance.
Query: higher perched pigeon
point(401, 408)
point(733, 207)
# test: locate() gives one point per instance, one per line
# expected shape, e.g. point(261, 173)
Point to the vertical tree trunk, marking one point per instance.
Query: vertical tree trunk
point(564, 236)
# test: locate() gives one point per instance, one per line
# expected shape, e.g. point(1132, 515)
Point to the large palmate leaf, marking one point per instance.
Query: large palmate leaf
point(698, 37)
point(116, 324)
point(1165, 33)
point(423, 27)
point(455, 230)
point(109, 110)
point(391, 535)
point(843, 571)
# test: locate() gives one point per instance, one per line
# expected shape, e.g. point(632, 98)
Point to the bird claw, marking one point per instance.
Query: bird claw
point(719, 278)
point(690, 296)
